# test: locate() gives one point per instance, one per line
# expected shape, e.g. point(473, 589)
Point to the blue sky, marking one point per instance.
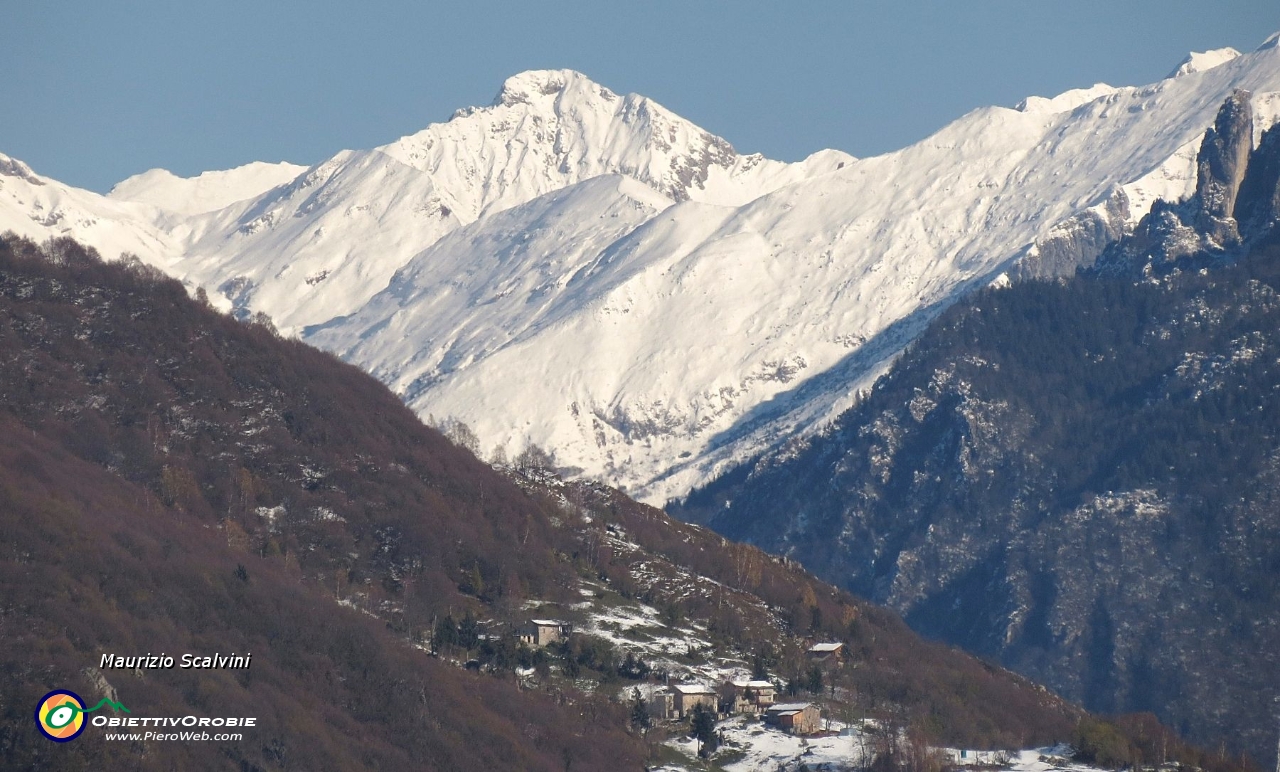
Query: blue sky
point(93, 92)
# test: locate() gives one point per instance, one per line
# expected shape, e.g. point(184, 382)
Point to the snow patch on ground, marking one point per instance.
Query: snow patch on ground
point(753, 746)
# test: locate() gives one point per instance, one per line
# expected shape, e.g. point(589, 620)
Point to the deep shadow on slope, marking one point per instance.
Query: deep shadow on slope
point(873, 353)
point(1077, 478)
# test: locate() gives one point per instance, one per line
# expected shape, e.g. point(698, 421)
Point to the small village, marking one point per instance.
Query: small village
point(700, 696)
point(733, 697)
point(696, 708)
point(791, 693)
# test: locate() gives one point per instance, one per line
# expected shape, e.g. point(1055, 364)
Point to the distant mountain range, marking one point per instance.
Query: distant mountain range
point(590, 272)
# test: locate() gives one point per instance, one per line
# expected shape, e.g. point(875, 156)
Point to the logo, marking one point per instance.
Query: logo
point(60, 714)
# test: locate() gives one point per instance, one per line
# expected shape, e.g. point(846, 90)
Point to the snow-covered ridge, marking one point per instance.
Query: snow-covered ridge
point(321, 243)
point(700, 333)
point(593, 273)
point(12, 167)
point(205, 192)
point(1066, 101)
point(1199, 61)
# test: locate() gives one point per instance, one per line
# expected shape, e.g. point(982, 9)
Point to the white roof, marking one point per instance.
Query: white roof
point(650, 691)
point(826, 646)
point(753, 684)
point(693, 689)
point(789, 707)
point(547, 622)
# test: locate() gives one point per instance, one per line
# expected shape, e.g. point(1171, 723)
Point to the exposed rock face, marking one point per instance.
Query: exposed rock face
point(101, 686)
point(1224, 157)
point(1258, 204)
point(1207, 221)
point(1236, 201)
point(12, 167)
point(1236, 198)
point(1077, 242)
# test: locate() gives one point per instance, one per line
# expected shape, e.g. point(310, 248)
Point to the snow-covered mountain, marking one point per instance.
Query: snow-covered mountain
point(1199, 61)
point(320, 244)
point(593, 273)
point(39, 207)
point(207, 192)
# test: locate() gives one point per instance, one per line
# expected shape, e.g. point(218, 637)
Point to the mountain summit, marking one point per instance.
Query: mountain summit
point(548, 129)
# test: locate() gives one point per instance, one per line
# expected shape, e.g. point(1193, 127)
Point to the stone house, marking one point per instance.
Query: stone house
point(687, 696)
point(750, 696)
point(540, 632)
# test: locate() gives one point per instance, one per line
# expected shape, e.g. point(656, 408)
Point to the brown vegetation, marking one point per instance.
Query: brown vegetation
point(174, 481)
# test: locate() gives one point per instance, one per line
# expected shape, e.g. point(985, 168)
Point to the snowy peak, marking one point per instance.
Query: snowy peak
point(664, 296)
point(308, 245)
point(12, 167)
point(1199, 61)
point(1195, 62)
point(206, 192)
point(548, 129)
point(41, 207)
point(534, 85)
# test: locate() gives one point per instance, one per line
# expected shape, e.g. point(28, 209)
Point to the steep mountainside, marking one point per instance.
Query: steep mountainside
point(1080, 477)
point(98, 565)
point(174, 480)
point(722, 302)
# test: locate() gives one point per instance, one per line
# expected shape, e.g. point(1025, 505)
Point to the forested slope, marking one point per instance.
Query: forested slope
point(175, 481)
point(1078, 478)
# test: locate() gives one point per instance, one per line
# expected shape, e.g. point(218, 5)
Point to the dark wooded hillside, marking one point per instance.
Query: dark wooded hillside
point(1078, 479)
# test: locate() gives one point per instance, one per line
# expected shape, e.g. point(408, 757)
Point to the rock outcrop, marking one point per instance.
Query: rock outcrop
point(1076, 242)
point(1258, 205)
point(1236, 202)
point(1224, 157)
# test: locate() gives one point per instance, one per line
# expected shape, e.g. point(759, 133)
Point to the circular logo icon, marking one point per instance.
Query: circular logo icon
point(60, 715)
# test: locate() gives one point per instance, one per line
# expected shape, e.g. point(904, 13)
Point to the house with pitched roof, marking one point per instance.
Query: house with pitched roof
point(687, 696)
point(540, 632)
point(750, 696)
point(827, 653)
point(799, 718)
